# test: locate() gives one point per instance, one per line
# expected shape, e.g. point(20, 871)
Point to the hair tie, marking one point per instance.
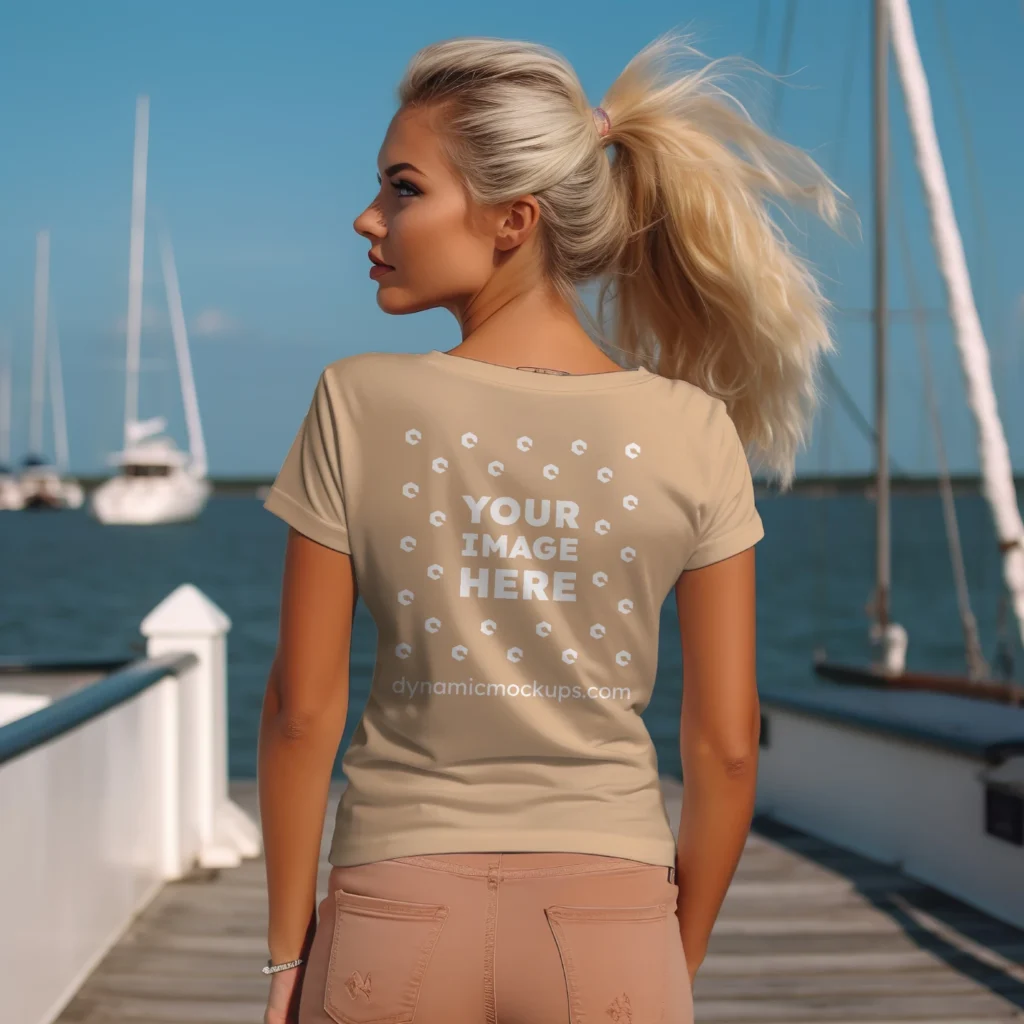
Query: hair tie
point(602, 121)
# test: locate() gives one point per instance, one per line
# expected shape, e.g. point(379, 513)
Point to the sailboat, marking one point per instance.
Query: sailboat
point(156, 482)
point(890, 638)
point(11, 499)
point(44, 485)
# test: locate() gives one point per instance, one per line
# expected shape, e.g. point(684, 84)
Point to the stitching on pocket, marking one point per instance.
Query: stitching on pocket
point(618, 1005)
point(354, 905)
point(649, 913)
point(377, 906)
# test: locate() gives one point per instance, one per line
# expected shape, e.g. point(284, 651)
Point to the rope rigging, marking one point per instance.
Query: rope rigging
point(988, 274)
point(783, 62)
point(761, 32)
point(976, 666)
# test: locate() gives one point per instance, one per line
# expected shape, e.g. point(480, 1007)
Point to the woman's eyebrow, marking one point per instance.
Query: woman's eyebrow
point(395, 168)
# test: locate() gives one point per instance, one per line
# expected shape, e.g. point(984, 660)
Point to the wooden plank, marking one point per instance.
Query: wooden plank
point(864, 1009)
point(843, 988)
point(808, 934)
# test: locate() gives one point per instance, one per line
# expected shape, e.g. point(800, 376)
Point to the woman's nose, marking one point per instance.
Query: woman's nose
point(370, 223)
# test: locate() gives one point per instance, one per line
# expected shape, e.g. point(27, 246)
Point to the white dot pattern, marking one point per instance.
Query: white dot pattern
point(495, 468)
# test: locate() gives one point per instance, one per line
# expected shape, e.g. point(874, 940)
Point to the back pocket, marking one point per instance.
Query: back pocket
point(379, 953)
point(615, 961)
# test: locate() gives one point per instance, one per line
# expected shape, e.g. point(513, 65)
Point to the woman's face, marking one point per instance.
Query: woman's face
point(438, 245)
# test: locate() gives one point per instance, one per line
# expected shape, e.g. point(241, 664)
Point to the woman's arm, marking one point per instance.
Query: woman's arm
point(304, 712)
point(718, 739)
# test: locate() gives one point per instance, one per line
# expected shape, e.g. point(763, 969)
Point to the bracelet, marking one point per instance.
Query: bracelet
point(271, 969)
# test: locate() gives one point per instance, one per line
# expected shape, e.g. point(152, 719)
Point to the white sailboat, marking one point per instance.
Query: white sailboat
point(42, 483)
point(893, 17)
point(157, 482)
point(10, 490)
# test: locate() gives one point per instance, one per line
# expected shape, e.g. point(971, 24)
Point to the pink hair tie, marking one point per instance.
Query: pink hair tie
point(603, 121)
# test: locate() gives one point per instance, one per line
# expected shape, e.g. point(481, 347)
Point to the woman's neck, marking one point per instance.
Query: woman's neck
point(529, 329)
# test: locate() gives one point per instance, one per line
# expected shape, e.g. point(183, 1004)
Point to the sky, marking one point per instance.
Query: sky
point(265, 122)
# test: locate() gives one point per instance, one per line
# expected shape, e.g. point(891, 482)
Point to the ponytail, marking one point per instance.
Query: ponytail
point(707, 288)
point(675, 226)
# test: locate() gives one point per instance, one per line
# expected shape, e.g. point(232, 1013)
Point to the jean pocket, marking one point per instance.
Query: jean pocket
point(615, 962)
point(379, 953)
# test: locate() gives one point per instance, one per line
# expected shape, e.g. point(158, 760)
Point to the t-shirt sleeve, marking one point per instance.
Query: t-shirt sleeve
point(308, 493)
point(729, 522)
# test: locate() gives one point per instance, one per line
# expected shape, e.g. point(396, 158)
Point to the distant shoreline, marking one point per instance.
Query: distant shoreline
point(814, 486)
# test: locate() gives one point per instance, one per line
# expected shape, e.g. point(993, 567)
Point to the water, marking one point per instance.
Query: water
point(70, 587)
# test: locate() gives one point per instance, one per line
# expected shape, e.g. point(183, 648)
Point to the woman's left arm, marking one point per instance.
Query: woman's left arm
point(304, 711)
point(718, 738)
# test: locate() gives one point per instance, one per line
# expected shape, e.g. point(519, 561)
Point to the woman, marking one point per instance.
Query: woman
point(514, 512)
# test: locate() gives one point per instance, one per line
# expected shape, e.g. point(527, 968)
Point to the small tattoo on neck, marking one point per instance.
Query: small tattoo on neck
point(544, 369)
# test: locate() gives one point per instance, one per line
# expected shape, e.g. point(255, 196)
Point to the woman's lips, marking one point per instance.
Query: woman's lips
point(379, 267)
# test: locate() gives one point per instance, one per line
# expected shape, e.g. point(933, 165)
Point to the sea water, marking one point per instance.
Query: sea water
point(70, 587)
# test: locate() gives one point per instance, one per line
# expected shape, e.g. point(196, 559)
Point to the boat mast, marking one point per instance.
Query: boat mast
point(35, 440)
point(196, 445)
point(60, 423)
point(881, 314)
point(135, 260)
point(5, 400)
point(993, 451)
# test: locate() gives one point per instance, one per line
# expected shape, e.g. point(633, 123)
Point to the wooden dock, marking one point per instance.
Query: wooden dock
point(809, 934)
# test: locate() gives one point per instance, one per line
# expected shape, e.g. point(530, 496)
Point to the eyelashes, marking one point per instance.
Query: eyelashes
point(400, 184)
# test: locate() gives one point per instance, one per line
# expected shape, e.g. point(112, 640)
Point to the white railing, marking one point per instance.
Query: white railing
point(105, 795)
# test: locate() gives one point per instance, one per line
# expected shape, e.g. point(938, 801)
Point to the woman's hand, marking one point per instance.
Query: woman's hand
point(693, 962)
point(283, 1000)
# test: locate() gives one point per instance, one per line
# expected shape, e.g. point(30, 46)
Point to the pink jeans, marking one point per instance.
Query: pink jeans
point(498, 938)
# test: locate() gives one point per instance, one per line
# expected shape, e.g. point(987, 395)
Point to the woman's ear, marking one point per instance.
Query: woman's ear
point(521, 219)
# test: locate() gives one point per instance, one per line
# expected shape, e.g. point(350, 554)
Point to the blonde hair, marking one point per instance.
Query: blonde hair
point(676, 227)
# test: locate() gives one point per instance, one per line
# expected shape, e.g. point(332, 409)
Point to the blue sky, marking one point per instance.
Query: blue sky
point(265, 121)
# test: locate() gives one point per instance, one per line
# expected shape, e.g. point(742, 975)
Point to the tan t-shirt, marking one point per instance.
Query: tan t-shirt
point(514, 535)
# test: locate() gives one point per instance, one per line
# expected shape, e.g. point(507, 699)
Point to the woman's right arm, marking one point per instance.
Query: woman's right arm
point(304, 711)
point(718, 739)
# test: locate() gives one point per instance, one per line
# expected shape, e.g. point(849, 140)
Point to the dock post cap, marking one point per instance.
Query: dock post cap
point(187, 610)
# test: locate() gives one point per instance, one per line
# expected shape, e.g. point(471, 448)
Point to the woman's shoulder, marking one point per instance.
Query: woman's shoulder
point(364, 379)
point(367, 365)
point(699, 408)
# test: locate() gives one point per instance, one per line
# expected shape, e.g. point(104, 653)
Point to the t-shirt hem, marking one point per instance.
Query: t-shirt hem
point(732, 543)
point(346, 852)
point(285, 507)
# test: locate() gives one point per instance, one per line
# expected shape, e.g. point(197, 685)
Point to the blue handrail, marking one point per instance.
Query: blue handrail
point(67, 713)
point(20, 666)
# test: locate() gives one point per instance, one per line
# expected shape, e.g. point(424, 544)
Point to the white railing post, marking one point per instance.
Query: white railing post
point(187, 620)
point(174, 857)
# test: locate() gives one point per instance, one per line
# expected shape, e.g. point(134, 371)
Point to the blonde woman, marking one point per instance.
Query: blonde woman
point(513, 512)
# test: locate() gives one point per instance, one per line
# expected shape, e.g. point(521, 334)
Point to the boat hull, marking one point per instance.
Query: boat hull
point(148, 501)
point(48, 492)
point(11, 498)
point(935, 682)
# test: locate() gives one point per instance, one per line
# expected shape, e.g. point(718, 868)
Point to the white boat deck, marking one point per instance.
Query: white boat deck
point(808, 933)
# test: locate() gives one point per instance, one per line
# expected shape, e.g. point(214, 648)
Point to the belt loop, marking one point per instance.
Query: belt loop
point(671, 875)
point(494, 872)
